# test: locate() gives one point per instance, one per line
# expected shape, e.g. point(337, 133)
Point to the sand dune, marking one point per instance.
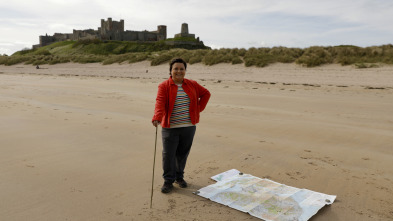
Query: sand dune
point(76, 140)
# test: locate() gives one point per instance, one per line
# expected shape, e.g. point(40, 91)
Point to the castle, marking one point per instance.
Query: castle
point(114, 30)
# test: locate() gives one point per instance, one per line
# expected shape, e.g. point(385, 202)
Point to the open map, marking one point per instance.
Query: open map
point(264, 198)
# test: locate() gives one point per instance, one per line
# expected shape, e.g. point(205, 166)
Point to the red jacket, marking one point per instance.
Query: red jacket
point(166, 96)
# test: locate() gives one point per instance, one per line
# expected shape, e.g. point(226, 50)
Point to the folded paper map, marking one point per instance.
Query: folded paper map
point(264, 198)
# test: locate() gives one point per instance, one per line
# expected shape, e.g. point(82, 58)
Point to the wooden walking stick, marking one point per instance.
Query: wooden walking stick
point(154, 165)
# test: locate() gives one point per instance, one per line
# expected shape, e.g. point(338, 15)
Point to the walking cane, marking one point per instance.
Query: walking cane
point(154, 165)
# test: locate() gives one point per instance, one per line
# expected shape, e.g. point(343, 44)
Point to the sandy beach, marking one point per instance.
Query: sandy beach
point(76, 140)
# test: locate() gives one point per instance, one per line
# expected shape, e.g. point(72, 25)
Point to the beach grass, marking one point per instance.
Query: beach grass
point(109, 52)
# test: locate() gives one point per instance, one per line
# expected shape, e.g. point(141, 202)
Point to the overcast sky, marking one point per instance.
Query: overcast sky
point(219, 23)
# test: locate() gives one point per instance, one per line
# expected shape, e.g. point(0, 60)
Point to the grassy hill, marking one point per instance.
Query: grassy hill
point(109, 52)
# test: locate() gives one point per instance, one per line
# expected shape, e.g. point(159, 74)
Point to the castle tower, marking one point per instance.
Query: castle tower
point(184, 32)
point(102, 29)
point(110, 23)
point(184, 28)
point(161, 29)
point(111, 30)
point(121, 28)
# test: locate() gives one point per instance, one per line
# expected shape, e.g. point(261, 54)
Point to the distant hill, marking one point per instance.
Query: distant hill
point(98, 47)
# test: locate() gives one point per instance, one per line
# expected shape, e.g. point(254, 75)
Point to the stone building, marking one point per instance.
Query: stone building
point(114, 31)
point(49, 39)
point(109, 30)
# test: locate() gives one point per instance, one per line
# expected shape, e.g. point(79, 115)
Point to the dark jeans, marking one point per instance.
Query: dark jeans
point(177, 143)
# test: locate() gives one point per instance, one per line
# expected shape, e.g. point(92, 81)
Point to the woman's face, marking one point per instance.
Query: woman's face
point(178, 71)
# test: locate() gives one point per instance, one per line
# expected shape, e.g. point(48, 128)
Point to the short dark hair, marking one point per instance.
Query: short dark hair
point(177, 60)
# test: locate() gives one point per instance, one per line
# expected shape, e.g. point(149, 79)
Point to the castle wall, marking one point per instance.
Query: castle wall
point(112, 36)
point(62, 37)
point(84, 34)
point(183, 43)
point(46, 40)
point(114, 30)
point(141, 36)
point(149, 36)
point(184, 35)
point(130, 36)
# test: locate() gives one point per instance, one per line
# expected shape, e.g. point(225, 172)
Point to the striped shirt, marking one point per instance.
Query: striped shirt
point(180, 116)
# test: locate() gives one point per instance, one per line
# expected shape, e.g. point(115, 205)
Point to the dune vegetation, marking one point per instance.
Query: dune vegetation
point(109, 52)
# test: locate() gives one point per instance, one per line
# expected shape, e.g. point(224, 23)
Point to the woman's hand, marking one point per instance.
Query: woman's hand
point(155, 123)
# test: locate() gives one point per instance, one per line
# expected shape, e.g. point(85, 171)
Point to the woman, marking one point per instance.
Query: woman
point(178, 104)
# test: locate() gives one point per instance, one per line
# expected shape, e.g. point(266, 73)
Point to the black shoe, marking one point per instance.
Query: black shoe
point(181, 182)
point(166, 188)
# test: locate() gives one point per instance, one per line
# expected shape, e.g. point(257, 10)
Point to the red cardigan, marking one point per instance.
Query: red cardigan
point(166, 96)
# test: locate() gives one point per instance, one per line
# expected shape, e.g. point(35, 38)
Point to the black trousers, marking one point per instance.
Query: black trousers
point(177, 144)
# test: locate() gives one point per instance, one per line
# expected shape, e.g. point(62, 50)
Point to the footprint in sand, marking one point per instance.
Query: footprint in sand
point(295, 175)
point(172, 205)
